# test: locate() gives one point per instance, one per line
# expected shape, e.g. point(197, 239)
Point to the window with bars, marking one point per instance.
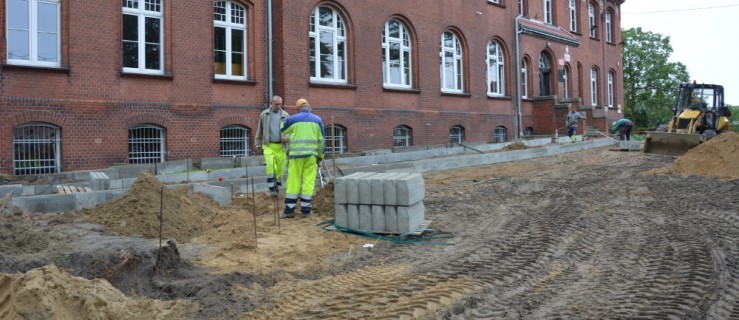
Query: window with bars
point(36, 149)
point(327, 46)
point(500, 134)
point(451, 63)
point(528, 132)
point(229, 40)
point(33, 32)
point(456, 134)
point(496, 69)
point(235, 141)
point(396, 55)
point(335, 140)
point(143, 34)
point(402, 136)
point(146, 144)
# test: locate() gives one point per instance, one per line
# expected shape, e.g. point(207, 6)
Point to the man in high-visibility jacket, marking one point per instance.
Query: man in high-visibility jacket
point(269, 138)
point(305, 134)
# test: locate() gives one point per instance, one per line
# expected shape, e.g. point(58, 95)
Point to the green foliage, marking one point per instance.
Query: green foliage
point(734, 118)
point(650, 80)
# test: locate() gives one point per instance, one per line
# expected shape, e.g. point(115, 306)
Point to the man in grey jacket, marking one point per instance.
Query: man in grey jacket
point(269, 138)
point(572, 119)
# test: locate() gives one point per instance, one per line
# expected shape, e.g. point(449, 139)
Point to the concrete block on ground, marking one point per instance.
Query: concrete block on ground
point(95, 198)
point(219, 194)
point(340, 190)
point(390, 188)
point(410, 217)
point(133, 171)
point(174, 166)
point(47, 203)
point(342, 216)
point(253, 161)
point(352, 212)
point(365, 217)
point(391, 218)
point(99, 181)
point(15, 189)
point(365, 190)
point(378, 218)
point(410, 189)
point(217, 163)
point(629, 145)
point(352, 186)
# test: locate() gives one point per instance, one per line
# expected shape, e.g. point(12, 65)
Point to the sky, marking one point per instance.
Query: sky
point(704, 36)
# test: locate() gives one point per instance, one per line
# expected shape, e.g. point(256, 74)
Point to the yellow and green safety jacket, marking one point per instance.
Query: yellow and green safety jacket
point(306, 135)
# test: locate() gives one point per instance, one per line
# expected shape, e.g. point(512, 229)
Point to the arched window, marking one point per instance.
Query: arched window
point(396, 55)
point(611, 94)
point(451, 63)
point(593, 21)
point(335, 140)
point(573, 15)
point(402, 136)
point(496, 69)
point(545, 75)
point(456, 134)
point(593, 87)
point(146, 144)
point(36, 149)
point(328, 46)
point(609, 26)
point(235, 141)
point(229, 40)
point(500, 134)
point(524, 78)
point(566, 79)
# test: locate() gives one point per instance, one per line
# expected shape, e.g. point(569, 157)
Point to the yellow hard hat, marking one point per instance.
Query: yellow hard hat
point(301, 102)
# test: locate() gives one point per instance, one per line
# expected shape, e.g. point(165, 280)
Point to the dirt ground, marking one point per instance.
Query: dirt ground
point(597, 234)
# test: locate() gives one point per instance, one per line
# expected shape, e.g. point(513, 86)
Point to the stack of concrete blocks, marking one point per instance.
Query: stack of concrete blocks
point(99, 181)
point(380, 202)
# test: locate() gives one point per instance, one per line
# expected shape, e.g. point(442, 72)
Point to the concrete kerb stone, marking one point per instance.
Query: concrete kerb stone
point(342, 216)
point(390, 188)
point(365, 217)
point(378, 218)
point(410, 217)
point(410, 189)
point(15, 189)
point(352, 212)
point(377, 188)
point(391, 218)
point(219, 194)
point(217, 163)
point(352, 187)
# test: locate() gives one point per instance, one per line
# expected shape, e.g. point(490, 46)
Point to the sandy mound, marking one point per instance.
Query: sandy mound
point(716, 157)
point(51, 293)
point(184, 212)
point(515, 146)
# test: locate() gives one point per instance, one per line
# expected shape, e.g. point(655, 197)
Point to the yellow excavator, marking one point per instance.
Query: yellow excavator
point(699, 114)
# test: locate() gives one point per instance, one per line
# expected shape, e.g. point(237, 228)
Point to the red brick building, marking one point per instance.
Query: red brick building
point(88, 84)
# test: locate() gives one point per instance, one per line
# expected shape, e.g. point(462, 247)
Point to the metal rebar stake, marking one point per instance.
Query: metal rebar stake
point(253, 210)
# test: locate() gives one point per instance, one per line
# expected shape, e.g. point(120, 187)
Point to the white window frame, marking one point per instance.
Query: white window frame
point(593, 87)
point(337, 33)
point(456, 84)
point(593, 22)
point(494, 1)
point(403, 138)
point(235, 135)
point(36, 149)
point(500, 134)
point(456, 134)
point(142, 13)
point(547, 9)
point(611, 96)
point(234, 11)
point(403, 43)
point(524, 79)
point(336, 133)
point(573, 15)
point(609, 31)
point(495, 69)
point(33, 33)
point(153, 136)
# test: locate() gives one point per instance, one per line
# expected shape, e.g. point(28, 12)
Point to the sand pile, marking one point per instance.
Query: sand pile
point(185, 213)
point(717, 157)
point(51, 293)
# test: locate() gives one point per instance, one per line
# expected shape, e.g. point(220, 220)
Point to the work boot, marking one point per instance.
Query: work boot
point(307, 215)
point(287, 215)
point(573, 138)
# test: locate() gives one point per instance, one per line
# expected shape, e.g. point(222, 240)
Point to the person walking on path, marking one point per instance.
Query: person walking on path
point(572, 119)
point(305, 133)
point(623, 127)
point(269, 138)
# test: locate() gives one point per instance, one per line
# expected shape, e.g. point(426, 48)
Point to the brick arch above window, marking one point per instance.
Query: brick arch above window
point(146, 118)
point(233, 120)
point(49, 117)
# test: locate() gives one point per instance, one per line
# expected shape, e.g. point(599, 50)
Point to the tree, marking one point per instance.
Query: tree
point(650, 81)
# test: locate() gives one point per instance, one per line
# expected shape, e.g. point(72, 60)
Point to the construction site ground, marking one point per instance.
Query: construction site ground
point(596, 234)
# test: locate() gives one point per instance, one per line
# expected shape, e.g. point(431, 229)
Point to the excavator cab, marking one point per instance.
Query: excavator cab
point(698, 115)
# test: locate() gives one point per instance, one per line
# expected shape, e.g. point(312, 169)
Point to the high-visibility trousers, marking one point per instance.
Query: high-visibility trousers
point(301, 181)
point(274, 158)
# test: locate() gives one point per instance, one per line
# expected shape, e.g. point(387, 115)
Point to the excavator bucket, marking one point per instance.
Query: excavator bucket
point(674, 144)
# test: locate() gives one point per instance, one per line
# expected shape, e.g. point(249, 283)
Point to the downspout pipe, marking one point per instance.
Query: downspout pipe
point(270, 72)
point(517, 76)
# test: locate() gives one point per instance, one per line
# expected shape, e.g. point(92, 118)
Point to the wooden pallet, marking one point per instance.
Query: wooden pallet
point(71, 189)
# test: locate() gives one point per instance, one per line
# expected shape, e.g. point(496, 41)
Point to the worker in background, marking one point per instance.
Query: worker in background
point(304, 132)
point(572, 119)
point(269, 138)
point(623, 127)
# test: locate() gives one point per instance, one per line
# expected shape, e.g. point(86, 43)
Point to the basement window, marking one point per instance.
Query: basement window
point(146, 144)
point(235, 141)
point(36, 149)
